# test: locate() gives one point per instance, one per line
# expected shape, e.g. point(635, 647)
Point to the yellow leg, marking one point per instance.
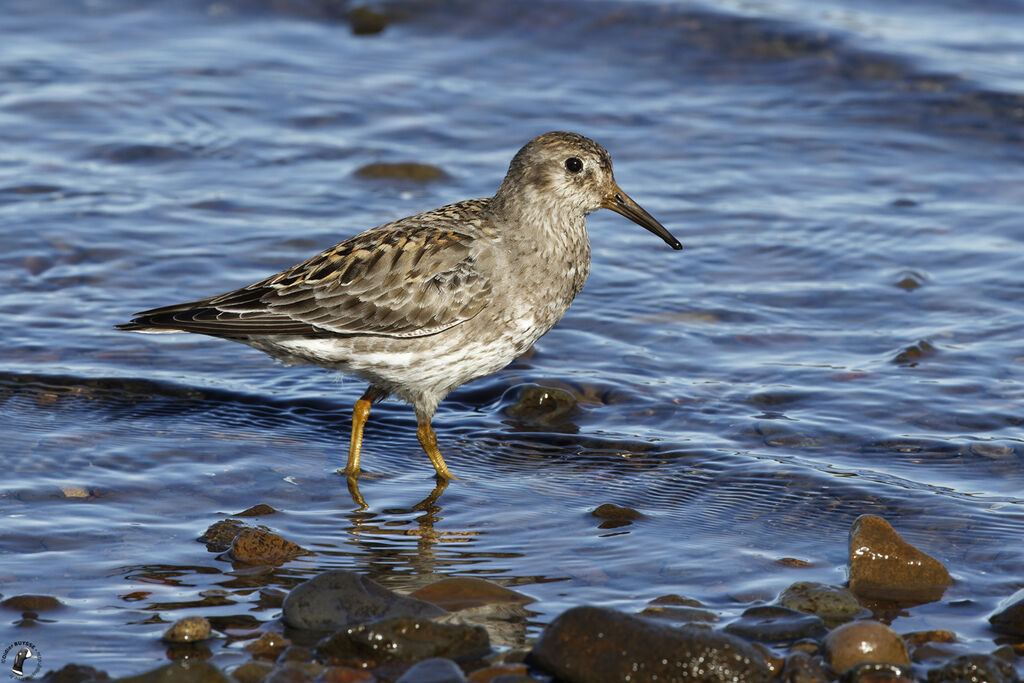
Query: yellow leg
point(425, 433)
point(360, 414)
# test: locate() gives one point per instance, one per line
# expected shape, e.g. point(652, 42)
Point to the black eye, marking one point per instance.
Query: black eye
point(573, 165)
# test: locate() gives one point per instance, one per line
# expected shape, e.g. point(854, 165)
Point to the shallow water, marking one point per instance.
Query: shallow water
point(840, 336)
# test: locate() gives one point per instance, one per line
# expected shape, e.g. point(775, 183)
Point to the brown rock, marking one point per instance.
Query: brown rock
point(33, 603)
point(257, 510)
point(188, 630)
point(345, 674)
point(599, 645)
point(488, 674)
point(408, 171)
point(256, 546)
point(885, 567)
point(252, 672)
point(268, 646)
point(1009, 621)
point(864, 641)
point(219, 535)
point(462, 593)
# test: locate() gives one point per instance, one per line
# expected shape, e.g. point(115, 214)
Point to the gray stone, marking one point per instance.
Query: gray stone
point(435, 670)
point(404, 640)
point(776, 624)
point(339, 598)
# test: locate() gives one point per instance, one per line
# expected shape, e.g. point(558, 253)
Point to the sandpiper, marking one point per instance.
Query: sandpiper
point(427, 303)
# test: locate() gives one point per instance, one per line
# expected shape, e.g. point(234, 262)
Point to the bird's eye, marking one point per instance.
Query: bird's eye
point(573, 165)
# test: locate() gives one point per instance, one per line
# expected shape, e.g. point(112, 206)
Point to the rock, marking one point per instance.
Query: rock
point(366, 21)
point(801, 667)
point(287, 674)
point(914, 353)
point(679, 614)
point(436, 670)
point(32, 603)
point(75, 673)
point(776, 624)
point(345, 674)
point(864, 641)
point(491, 673)
point(408, 171)
point(676, 600)
point(462, 593)
point(182, 671)
point(980, 668)
point(219, 535)
point(188, 630)
point(338, 598)
point(885, 567)
point(252, 672)
point(258, 546)
point(598, 645)
point(542, 406)
point(915, 638)
point(874, 672)
point(615, 512)
point(257, 510)
point(513, 678)
point(834, 604)
point(270, 645)
point(404, 639)
point(1009, 621)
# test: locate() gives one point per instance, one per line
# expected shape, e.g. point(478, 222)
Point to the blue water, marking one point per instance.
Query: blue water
point(846, 179)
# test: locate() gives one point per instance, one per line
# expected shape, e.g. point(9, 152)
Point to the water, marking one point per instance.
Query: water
point(841, 335)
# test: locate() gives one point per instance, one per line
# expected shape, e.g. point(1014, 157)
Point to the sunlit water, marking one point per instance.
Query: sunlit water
point(841, 335)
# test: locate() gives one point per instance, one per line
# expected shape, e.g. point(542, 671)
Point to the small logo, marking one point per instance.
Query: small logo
point(24, 660)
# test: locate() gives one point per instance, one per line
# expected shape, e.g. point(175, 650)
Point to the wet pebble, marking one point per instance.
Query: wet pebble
point(366, 21)
point(544, 406)
point(776, 624)
point(801, 667)
point(679, 614)
point(219, 535)
point(257, 510)
point(33, 603)
point(595, 645)
point(75, 673)
point(834, 604)
point(188, 630)
point(339, 597)
point(404, 639)
point(465, 592)
point(252, 672)
point(864, 641)
point(980, 668)
point(875, 672)
point(914, 353)
point(258, 546)
point(1010, 620)
point(268, 646)
point(345, 674)
point(436, 670)
point(883, 566)
point(497, 671)
point(410, 171)
point(181, 671)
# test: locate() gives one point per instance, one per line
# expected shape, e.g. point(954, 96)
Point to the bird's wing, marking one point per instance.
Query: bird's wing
point(405, 279)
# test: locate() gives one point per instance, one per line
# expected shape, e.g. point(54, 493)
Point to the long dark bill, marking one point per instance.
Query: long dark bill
point(621, 203)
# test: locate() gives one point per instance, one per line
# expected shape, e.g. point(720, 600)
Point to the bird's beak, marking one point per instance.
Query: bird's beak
point(621, 203)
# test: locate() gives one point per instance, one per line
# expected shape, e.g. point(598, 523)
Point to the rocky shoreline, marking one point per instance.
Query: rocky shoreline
point(343, 627)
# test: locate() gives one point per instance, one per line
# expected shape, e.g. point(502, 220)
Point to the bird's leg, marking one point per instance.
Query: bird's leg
point(360, 414)
point(425, 433)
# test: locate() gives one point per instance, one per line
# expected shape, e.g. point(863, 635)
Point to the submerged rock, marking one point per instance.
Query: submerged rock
point(885, 567)
point(875, 672)
point(182, 671)
point(864, 641)
point(834, 604)
point(404, 639)
point(599, 645)
point(75, 673)
point(1010, 620)
point(339, 597)
point(410, 171)
point(258, 546)
point(974, 668)
point(465, 592)
point(776, 624)
point(188, 630)
point(219, 535)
